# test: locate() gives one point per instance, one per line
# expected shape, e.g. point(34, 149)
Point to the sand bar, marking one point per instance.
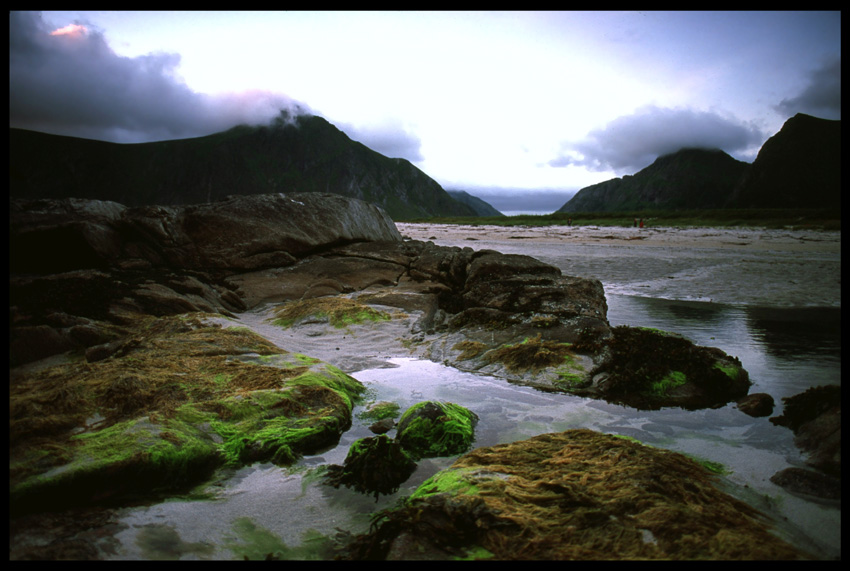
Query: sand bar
point(751, 266)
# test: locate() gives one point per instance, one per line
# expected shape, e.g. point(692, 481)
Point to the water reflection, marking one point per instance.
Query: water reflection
point(785, 350)
point(814, 331)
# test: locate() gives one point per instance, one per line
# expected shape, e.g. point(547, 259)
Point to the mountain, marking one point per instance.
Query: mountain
point(799, 167)
point(686, 179)
point(293, 155)
point(481, 207)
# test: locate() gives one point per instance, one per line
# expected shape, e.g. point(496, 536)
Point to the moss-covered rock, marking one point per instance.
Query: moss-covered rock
point(178, 400)
point(338, 311)
point(650, 369)
point(431, 428)
point(377, 465)
point(579, 494)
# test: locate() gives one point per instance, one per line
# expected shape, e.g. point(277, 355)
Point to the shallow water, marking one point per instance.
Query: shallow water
point(745, 302)
point(267, 509)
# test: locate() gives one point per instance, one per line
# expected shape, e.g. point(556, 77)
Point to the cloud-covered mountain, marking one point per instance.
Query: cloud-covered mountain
point(295, 154)
point(689, 178)
point(71, 82)
point(799, 167)
point(631, 142)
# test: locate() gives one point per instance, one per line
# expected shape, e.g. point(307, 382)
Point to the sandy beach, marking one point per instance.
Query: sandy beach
point(758, 267)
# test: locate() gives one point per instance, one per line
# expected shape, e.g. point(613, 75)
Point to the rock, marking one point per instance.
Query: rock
point(382, 426)
point(55, 236)
point(431, 428)
point(650, 369)
point(103, 351)
point(815, 418)
point(176, 400)
point(31, 343)
point(99, 260)
point(377, 465)
point(239, 233)
point(579, 494)
point(808, 483)
point(756, 404)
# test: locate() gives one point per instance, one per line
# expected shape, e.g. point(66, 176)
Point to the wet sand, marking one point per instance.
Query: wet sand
point(758, 267)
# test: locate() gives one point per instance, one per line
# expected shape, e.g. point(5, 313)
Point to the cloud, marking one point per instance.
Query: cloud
point(390, 138)
point(70, 82)
point(632, 142)
point(821, 97)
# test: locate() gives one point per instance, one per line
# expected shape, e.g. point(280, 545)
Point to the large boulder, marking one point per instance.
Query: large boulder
point(815, 418)
point(648, 369)
point(100, 261)
point(238, 233)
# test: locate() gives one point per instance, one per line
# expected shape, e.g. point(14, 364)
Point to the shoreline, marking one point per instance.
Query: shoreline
point(823, 241)
point(740, 266)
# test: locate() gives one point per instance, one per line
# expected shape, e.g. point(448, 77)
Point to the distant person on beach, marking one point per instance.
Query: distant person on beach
point(635, 222)
point(641, 222)
point(569, 221)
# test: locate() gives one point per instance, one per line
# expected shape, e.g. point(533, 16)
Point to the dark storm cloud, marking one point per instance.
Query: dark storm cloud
point(821, 97)
point(75, 84)
point(632, 142)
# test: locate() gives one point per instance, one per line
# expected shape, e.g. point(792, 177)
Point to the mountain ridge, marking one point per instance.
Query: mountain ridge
point(688, 178)
point(481, 207)
point(804, 154)
point(293, 155)
point(798, 167)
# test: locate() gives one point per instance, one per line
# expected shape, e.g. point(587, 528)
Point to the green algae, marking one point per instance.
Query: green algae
point(374, 465)
point(449, 481)
point(730, 371)
point(430, 429)
point(670, 381)
point(160, 542)
point(380, 411)
point(339, 311)
point(254, 542)
point(475, 553)
point(167, 412)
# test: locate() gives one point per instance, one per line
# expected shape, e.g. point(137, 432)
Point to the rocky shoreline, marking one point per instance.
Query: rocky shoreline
point(124, 383)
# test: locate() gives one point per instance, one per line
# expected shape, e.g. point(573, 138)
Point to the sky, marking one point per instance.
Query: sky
point(519, 108)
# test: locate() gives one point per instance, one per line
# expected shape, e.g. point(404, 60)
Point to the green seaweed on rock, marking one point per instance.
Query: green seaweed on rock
point(430, 429)
point(339, 311)
point(174, 405)
point(532, 354)
point(579, 494)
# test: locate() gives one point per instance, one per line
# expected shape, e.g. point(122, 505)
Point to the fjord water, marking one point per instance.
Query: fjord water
point(289, 512)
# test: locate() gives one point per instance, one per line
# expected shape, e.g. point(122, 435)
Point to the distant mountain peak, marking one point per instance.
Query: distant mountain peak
point(685, 179)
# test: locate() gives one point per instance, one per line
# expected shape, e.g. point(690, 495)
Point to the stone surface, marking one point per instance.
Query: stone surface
point(239, 233)
point(756, 404)
point(815, 418)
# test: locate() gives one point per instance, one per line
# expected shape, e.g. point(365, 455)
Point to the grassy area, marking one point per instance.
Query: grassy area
point(820, 219)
